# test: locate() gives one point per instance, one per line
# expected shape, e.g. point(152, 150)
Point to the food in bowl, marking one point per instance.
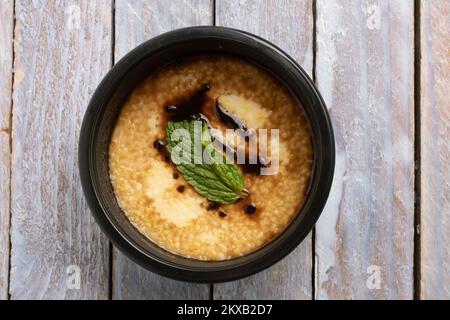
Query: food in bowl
point(211, 210)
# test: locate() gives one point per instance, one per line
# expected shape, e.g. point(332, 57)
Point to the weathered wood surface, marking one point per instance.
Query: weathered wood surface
point(6, 61)
point(135, 22)
point(62, 50)
point(365, 71)
point(288, 24)
point(435, 150)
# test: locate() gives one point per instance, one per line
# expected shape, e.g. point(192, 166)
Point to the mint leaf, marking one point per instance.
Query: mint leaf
point(210, 175)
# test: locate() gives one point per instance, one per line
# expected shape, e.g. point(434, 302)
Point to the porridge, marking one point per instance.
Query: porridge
point(184, 208)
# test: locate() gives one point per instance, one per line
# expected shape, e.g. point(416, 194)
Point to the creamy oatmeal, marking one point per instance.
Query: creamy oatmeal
point(154, 194)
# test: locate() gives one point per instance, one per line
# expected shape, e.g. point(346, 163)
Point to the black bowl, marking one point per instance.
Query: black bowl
point(103, 110)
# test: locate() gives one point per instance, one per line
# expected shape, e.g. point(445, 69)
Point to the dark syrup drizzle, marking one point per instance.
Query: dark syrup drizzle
point(222, 214)
point(159, 145)
point(231, 120)
point(183, 108)
point(191, 106)
point(187, 106)
point(213, 206)
point(228, 118)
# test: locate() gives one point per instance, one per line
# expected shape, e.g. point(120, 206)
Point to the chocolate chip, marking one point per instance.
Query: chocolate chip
point(181, 188)
point(176, 175)
point(250, 208)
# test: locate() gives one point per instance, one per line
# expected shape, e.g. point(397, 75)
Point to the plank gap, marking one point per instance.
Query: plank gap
point(213, 12)
point(10, 145)
point(111, 252)
point(313, 235)
point(113, 31)
point(417, 150)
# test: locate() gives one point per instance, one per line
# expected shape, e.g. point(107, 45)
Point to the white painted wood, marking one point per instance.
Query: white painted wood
point(435, 150)
point(135, 22)
point(139, 20)
point(62, 50)
point(288, 24)
point(133, 282)
point(6, 57)
point(4, 213)
point(365, 72)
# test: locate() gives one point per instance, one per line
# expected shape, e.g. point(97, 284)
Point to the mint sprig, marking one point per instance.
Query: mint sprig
point(212, 176)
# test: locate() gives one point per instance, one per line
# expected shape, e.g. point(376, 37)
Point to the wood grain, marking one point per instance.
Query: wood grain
point(435, 150)
point(288, 24)
point(135, 22)
point(365, 73)
point(6, 62)
point(62, 50)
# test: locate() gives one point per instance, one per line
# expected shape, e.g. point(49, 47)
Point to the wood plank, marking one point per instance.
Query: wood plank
point(365, 72)
point(6, 62)
point(435, 150)
point(62, 50)
point(288, 24)
point(4, 212)
point(137, 21)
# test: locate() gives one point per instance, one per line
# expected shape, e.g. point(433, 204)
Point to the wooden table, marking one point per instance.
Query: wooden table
point(383, 67)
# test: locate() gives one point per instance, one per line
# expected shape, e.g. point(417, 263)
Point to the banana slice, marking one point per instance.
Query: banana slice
point(251, 114)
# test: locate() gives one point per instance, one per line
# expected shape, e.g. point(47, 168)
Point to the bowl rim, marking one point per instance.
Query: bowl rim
point(208, 274)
